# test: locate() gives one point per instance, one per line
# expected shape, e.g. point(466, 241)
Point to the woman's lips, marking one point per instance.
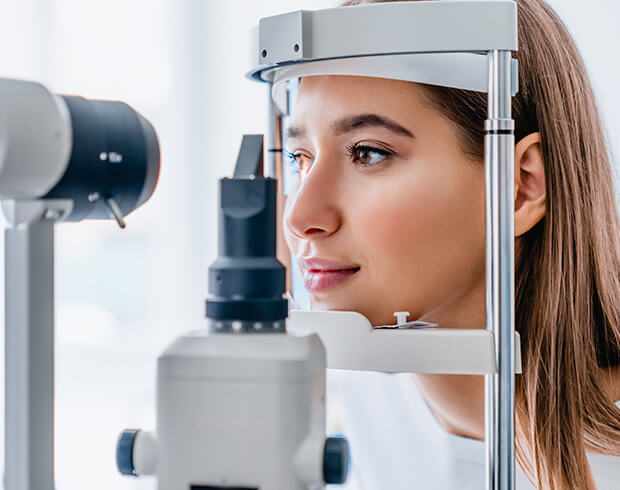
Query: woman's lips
point(317, 281)
point(321, 273)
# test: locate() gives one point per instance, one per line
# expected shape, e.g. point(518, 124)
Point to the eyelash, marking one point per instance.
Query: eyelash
point(351, 150)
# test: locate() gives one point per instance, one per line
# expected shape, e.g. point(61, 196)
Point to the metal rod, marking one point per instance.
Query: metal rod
point(499, 161)
point(29, 355)
point(273, 139)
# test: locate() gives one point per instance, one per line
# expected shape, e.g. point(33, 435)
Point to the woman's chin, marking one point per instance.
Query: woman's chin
point(322, 303)
point(329, 304)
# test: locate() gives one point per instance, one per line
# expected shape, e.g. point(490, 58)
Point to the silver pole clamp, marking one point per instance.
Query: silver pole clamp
point(499, 126)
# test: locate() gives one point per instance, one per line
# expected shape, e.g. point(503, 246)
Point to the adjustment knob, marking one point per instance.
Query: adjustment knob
point(124, 452)
point(336, 457)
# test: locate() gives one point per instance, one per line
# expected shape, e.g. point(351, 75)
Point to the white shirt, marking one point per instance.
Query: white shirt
point(397, 443)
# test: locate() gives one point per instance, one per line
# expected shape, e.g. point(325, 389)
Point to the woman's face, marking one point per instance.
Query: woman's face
point(385, 191)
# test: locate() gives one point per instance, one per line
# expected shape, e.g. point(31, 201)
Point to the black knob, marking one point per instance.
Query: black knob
point(124, 452)
point(336, 457)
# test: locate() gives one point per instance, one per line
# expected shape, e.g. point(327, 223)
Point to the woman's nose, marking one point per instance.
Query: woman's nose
point(312, 212)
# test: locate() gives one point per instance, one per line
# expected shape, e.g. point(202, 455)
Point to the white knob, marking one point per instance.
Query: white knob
point(145, 453)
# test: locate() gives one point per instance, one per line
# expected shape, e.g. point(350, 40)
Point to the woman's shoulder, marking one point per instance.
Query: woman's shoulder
point(605, 470)
point(606, 467)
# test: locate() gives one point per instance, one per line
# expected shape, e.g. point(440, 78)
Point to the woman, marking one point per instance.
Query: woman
point(390, 197)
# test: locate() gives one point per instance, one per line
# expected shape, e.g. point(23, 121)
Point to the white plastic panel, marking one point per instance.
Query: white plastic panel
point(389, 28)
point(351, 342)
point(227, 403)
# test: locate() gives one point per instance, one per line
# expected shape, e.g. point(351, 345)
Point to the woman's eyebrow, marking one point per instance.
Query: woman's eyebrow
point(295, 132)
point(350, 123)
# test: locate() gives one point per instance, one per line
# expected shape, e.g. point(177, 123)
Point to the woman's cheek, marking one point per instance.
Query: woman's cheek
point(399, 228)
point(418, 238)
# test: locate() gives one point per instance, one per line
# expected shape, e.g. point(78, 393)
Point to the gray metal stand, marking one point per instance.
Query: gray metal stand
point(499, 161)
point(29, 344)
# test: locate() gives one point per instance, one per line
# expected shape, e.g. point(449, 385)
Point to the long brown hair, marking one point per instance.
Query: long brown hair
point(568, 266)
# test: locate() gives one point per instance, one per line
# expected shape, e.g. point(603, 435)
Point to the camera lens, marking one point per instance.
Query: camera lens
point(114, 155)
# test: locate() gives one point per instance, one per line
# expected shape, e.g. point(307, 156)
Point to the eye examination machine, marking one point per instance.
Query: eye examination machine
point(62, 158)
point(241, 403)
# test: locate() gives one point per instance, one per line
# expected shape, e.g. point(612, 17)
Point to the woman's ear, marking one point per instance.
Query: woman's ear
point(530, 188)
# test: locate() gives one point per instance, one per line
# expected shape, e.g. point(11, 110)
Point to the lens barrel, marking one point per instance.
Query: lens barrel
point(114, 155)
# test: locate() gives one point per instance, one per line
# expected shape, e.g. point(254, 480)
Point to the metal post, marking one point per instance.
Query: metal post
point(275, 169)
point(274, 136)
point(499, 160)
point(29, 344)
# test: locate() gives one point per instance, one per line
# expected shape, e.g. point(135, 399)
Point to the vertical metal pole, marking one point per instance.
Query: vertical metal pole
point(499, 160)
point(276, 169)
point(29, 355)
point(273, 138)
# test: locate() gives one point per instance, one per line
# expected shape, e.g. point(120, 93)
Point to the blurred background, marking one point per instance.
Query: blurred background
point(122, 296)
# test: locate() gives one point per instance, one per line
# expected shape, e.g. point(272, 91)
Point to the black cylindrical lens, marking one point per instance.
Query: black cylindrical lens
point(114, 155)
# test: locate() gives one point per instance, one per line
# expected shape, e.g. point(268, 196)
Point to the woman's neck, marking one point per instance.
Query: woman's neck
point(457, 401)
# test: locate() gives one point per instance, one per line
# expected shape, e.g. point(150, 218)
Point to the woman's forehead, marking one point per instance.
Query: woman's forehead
point(329, 98)
point(345, 84)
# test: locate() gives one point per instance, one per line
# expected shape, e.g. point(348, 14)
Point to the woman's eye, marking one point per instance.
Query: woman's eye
point(298, 161)
point(367, 155)
point(362, 155)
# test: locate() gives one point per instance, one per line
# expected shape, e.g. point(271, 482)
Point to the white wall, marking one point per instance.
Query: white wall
point(594, 27)
point(123, 295)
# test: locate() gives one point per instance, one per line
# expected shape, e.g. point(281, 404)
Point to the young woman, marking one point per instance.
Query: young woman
point(391, 199)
